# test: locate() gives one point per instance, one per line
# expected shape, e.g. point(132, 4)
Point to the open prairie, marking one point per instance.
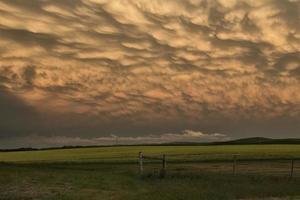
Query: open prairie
point(149, 99)
point(193, 172)
point(173, 153)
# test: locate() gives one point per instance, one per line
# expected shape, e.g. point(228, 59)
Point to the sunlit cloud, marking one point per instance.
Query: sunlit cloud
point(85, 68)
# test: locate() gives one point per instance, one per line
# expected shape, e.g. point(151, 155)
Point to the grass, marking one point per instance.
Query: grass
point(111, 173)
point(112, 181)
point(174, 153)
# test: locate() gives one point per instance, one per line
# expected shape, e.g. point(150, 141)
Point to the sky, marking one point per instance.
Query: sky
point(88, 72)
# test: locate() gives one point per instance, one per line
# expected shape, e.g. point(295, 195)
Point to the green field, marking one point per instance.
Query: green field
point(193, 172)
point(174, 153)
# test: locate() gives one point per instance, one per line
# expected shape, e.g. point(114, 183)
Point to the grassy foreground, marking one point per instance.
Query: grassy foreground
point(111, 181)
point(111, 173)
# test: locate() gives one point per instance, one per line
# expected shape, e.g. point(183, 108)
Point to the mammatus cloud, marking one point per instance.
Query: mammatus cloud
point(88, 68)
point(37, 141)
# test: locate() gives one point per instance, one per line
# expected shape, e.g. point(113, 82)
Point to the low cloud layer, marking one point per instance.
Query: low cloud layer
point(91, 68)
point(37, 141)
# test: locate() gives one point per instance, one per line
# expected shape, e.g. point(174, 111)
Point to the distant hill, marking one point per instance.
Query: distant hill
point(243, 141)
point(251, 140)
point(260, 140)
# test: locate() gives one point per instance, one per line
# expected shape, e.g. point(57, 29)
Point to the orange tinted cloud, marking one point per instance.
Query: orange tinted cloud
point(138, 66)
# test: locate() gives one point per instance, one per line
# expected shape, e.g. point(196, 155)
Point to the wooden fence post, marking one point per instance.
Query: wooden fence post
point(234, 165)
point(164, 166)
point(292, 169)
point(141, 169)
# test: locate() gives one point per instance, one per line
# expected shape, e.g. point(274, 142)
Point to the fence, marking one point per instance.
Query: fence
point(236, 164)
point(162, 159)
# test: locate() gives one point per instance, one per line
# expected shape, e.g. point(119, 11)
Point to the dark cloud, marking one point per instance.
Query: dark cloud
point(29, 74)
point(28, 38)
point(249, 25)
point(288, 11)
point(16, 117)
point(289, 61)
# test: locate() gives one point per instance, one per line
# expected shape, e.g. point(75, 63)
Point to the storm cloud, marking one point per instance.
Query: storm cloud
point(133, 68)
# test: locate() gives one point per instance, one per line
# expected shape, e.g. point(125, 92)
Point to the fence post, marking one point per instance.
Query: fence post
point(234, 165)
point(164, 166)
point(141, 169)
point(292, 169)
